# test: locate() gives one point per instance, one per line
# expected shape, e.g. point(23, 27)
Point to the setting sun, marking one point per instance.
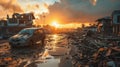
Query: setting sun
point(55, 24)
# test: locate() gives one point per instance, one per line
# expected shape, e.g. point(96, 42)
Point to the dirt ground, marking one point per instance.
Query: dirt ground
point(31, 56)
point(17, 56)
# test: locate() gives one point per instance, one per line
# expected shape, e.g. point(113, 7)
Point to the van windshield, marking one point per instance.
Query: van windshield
point(26, 32)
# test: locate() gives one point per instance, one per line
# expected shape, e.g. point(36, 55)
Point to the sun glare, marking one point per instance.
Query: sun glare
point(55, 24)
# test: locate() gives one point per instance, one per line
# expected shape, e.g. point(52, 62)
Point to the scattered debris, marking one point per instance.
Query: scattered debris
point(86, 44)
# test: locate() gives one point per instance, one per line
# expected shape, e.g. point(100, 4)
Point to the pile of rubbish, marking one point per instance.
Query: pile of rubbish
point(84, 47)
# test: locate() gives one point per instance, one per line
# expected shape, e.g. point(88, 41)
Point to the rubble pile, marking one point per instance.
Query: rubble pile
point(83, 44)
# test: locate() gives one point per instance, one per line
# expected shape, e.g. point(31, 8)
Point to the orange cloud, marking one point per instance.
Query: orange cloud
point(38, 7)
point(8, 7)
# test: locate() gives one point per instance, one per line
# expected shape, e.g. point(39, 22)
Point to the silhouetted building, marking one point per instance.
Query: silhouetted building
point(17, 19)
point(104, 25)
point(13, 25)
point(110, 24)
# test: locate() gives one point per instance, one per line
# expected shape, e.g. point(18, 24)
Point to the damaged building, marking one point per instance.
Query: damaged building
point(104, 25)
point(14, 24)
point(109, 25)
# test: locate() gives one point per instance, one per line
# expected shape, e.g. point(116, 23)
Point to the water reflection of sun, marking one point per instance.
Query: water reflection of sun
point(55, 37)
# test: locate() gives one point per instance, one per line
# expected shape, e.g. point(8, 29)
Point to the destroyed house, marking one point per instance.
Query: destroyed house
point(14, 24)
point(20, 19)
point(104, 25)
point(110, 25)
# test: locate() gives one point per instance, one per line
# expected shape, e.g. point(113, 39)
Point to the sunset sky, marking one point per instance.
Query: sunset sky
point(63, 11)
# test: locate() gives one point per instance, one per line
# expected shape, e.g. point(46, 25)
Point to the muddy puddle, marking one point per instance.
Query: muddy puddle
point(56, 47)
